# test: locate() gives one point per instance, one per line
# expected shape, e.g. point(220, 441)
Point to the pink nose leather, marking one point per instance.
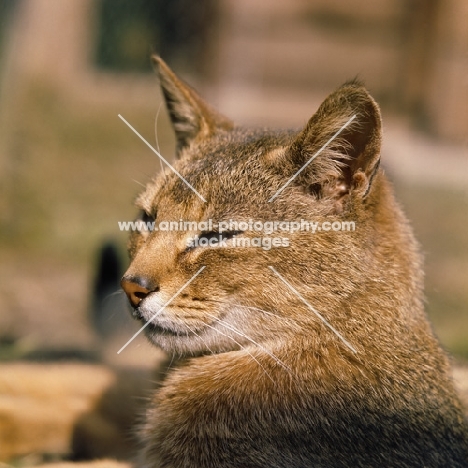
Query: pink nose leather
point(134, 291)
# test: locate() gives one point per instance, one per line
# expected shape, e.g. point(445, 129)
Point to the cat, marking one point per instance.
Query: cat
point(315, 352)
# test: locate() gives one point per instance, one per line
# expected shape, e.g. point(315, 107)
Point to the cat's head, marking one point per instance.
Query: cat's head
point(205, 289)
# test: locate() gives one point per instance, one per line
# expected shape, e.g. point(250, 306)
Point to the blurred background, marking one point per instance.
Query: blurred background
point(69, 167)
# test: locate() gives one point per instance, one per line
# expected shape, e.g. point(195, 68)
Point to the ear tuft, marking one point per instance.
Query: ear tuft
point(191, 117)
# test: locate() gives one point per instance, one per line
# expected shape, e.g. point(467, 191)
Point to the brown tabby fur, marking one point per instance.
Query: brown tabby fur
point(262, 381)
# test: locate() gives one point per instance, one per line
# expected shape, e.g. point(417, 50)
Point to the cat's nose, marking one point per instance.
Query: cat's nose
point(137, 288)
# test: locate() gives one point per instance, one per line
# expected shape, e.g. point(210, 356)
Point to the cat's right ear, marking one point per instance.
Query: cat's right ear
point(338, 152)
point(191, 117)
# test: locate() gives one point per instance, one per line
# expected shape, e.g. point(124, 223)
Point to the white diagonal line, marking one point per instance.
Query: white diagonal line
point(161, 309)
point(334, 330)
point(311, 159)
point(161, 157)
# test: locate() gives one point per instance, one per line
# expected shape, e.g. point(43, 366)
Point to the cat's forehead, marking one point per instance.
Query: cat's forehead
point(216, 168)
point(240, 145)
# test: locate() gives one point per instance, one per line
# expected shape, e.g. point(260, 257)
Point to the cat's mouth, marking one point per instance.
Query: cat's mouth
point(170, 324)
point(153, 328)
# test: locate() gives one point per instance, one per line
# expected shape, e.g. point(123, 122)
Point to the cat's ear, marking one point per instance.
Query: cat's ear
point(191, 117)
point(340, 145)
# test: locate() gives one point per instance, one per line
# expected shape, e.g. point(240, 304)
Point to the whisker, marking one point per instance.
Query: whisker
point(257, 308)
point(267, 312)
point(199, 337)
point(173, 358)
point(243, 348)
point(157, 139)
point(139, 183)
point(286, 319)
point(115, 293)
point(111, 296)
point(238, 332)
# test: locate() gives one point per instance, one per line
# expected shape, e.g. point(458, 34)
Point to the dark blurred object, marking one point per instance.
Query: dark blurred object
point(433, 87)
point(108, 303)
point(419, 34)
point(126, 30)
point(6, 10)
point(130, 31)
point(108, 428)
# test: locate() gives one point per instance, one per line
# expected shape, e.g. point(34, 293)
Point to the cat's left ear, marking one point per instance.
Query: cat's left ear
point(338, 151)
point(191, 117)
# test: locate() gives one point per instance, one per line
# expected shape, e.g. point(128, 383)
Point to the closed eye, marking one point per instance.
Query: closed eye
point(213, 238)
point(147, 218)
point(145, 223)
point(219, 236)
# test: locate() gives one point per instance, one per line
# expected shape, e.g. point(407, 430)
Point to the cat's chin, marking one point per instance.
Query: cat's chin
point(171, 341)
point(185, 344)
point(153, 329)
